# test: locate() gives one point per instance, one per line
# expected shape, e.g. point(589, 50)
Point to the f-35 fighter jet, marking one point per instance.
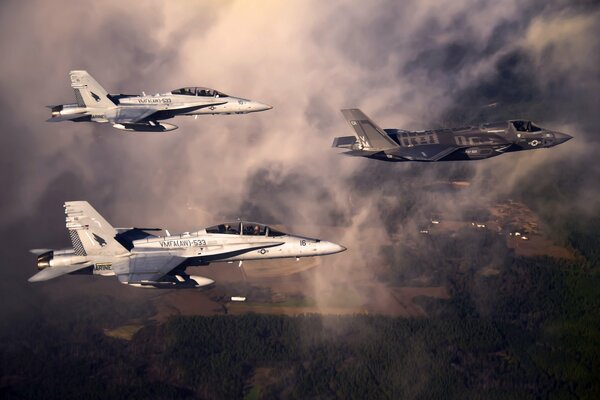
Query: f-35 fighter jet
point(139, 258)
point(141, 112)
point(468, 143)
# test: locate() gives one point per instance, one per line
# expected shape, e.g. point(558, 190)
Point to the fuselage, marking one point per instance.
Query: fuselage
point(467, 143)
point(474, 143)
point(222, 243)
point(142, 112)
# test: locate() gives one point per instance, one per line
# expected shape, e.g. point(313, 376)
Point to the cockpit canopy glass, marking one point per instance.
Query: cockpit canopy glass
point(198, 91)
point(525, 126)
point(245, 228)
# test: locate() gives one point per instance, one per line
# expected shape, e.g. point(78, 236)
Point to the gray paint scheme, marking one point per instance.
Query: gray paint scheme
point(142, 112)
point(142, 259)
point(467, 143)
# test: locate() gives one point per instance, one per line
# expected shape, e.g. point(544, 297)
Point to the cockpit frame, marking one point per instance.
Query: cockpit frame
point(245, 228)
point(198, 91)
point(522, 125)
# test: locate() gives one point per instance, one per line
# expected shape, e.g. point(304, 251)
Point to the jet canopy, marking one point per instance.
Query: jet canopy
point(198, 91)
point(525, 126)
point(245, 228)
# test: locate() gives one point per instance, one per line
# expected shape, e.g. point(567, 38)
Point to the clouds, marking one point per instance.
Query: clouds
point(408, 65)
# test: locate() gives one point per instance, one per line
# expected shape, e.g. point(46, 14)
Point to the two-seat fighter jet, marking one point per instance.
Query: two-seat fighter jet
point(142, 112)
point(139, 258)
point(468, 143)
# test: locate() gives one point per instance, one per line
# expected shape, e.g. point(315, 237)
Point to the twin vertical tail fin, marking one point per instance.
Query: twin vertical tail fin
point(88, 92)
point(90, 233)
point(369, 136)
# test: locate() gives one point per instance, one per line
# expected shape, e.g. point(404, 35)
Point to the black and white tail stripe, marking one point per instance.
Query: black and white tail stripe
point(79, 98)
point(77, 245)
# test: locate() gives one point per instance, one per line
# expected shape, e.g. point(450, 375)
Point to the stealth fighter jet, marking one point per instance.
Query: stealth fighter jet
point(467, 143)
point(142, 259)
point(142, 112)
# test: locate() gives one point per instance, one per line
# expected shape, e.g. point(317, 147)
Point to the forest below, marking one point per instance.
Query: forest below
point(529, 331)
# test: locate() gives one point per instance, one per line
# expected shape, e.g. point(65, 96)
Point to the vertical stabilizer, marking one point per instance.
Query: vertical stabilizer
point(369, 135)
point(90, 233)
point(88, 92)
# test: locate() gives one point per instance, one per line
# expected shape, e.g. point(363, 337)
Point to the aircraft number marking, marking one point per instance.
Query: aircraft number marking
point(302, 242)
point(163, 100)
point(183, 243)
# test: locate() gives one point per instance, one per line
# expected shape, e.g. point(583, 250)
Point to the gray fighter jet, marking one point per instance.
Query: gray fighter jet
point(468, 143)
point(139, 258)
point(141, 112)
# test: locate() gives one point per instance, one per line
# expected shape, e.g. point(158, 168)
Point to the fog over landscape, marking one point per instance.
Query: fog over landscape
point(410, 65)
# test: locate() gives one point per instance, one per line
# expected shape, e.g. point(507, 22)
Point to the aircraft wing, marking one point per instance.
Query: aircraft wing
point(426, 152)
point(147, 267)
point(133, 114)
point(55, 272)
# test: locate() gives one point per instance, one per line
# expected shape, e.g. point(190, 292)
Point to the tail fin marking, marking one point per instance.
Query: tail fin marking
point(90, 233)
point(88, 92)
point(369, 135)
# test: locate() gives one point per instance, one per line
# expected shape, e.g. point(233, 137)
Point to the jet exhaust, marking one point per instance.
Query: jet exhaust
point(43, 260)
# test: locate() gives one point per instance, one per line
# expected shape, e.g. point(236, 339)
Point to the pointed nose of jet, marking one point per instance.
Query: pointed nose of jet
point(256, 106)
point(560, 137)
point(331, 248)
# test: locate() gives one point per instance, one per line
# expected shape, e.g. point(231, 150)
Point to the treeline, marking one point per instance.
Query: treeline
point(538, 340)
point(513, 328)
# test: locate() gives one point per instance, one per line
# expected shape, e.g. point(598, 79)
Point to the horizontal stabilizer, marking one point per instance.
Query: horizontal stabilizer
point(69, 117)
point(38, 252)
point(344, 142)
point(54, 272)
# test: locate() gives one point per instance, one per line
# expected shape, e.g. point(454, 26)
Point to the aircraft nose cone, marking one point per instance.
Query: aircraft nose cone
point(560, 137)
point(332, 248)
point(256, 106)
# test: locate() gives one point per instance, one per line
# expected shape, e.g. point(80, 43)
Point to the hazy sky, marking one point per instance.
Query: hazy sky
point(410, 64)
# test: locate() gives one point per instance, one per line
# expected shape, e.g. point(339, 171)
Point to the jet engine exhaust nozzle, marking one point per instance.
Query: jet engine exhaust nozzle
point(43, 260)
